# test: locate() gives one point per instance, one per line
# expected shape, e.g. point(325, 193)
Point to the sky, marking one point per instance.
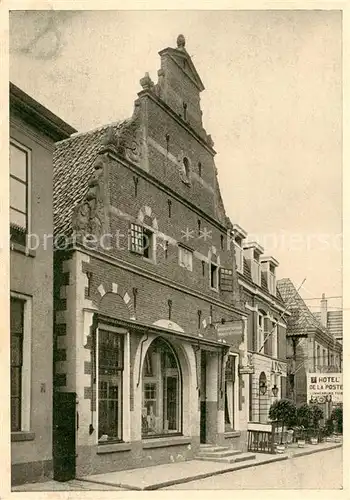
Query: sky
point(272, 104)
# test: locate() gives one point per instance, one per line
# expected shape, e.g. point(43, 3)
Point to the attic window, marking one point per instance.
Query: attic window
point(199, 169)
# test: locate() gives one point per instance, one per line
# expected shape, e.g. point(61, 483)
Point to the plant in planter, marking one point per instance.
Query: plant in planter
point(337, 417)
point(283, 412)
point(317, 415)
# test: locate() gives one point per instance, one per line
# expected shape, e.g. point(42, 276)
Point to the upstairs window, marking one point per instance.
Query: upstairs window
point(226, 280)
point(19, 192)
point(141, 240)
point(213, 276)
point(185, 258)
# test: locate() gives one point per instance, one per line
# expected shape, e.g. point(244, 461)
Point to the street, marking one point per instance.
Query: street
point(317, 471)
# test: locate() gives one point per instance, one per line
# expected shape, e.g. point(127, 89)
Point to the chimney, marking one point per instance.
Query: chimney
point(324, 311)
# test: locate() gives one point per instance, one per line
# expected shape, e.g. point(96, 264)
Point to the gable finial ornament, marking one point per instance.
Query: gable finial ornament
point(146, 82)
point(181, 42)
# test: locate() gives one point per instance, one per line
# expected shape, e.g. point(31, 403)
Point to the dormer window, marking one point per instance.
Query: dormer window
point(256, 275)
point(238, 237)
point(199, 169)
point(269, 266)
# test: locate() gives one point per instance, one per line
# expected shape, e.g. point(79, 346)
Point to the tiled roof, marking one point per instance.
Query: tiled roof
point(301, 320)
point(247, 275)
point(73, 165)
point(334, 322)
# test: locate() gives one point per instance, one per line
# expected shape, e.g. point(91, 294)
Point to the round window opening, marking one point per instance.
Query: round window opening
point(161, 391)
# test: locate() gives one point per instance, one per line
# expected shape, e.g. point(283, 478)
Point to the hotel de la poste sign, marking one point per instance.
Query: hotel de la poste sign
point(325, 387)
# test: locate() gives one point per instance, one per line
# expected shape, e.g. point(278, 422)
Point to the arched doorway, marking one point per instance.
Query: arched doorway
point(161, 412)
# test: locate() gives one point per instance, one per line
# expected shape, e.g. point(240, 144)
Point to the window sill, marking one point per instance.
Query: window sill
point(113, 448)
point(163, 442)
point(232, 434)
point(16, 247)
point(22, 436)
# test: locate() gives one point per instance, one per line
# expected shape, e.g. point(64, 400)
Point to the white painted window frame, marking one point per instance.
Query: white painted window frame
point(29, 183)
point(126, 428)
point(26, 360)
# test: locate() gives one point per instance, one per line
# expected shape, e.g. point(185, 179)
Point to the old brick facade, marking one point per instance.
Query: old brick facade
point(144, 263)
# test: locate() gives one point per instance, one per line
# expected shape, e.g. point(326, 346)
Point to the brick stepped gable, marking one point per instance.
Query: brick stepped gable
point(223, 454)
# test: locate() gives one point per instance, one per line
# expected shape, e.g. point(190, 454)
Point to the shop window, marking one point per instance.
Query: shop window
point(20, 364)
point(230, 394)
point(110, 386)
point(141, 241)
point(185, 258)
point(17, 312)
point(19, 192)
point(161, 402)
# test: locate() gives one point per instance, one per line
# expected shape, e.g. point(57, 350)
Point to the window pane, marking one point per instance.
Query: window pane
point(110, 352)
point(18, 219)
point(16, 350)
point(16, 315)
point(161, 392)
point(16, 382)
point(18, 196)
point(18, 162)
point(15, 415)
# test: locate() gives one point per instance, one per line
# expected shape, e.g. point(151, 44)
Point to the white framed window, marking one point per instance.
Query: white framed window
point(185, 258)
point(262, 333)
point(272, 280)
point(162, 391)
point(238, 254)
point(20, 332)
point(142, 241)
point(256, 269)
point(110, 385)
point(20, 175)
point(274, 327)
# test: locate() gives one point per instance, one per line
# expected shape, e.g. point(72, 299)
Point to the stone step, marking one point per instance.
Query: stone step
point(238, 457)
point(218, 454)
point(212, 448)
point(245, 456)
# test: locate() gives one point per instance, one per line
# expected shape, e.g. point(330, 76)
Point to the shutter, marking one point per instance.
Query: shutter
point(226, 280)
point(283, 387)
point(281, 343)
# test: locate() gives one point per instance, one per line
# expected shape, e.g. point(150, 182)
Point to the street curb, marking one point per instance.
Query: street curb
point(310, 452)
point(195, 477)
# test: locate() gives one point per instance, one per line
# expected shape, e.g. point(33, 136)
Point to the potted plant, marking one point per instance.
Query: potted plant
point(282, 411)
point(299, 435)
point(317, 415)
